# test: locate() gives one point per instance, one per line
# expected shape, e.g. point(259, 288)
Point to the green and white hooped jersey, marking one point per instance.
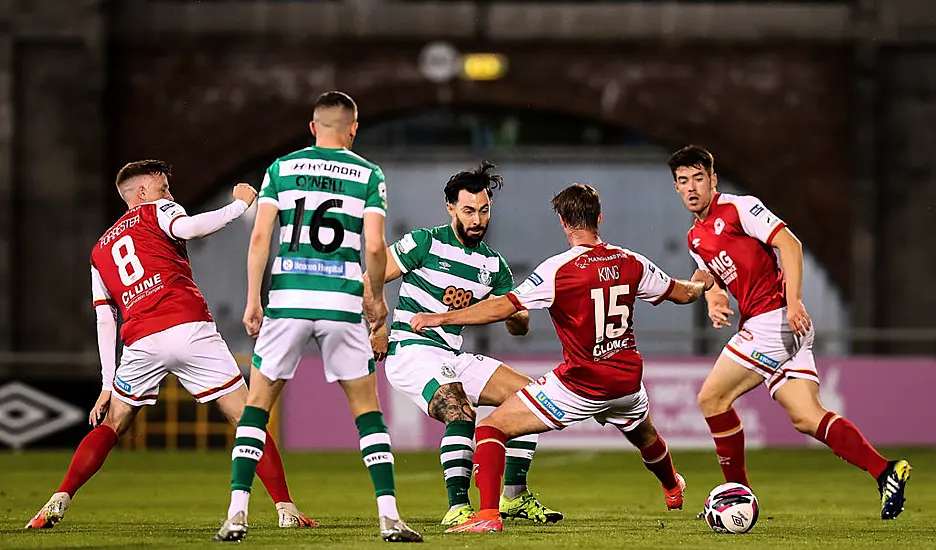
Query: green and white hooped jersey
point(322, 195)
point(441, 274)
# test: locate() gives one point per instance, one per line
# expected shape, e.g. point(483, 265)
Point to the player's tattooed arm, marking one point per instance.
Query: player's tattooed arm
point(482, 313)
point(450, 403)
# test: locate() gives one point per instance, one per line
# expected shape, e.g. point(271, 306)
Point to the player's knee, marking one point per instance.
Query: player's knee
point(712, 403)
point(804, 423)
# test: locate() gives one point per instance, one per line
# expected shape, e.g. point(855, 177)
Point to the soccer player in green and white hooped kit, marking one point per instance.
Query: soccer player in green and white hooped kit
point(445, 268)
point(325, 197)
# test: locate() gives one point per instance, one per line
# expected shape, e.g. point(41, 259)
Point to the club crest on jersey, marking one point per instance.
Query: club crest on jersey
point(581, 262)
point(484, 276)
point(448, 371)
point(719, 226)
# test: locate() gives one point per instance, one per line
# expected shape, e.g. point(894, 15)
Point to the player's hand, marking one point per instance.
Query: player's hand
point(244, 192)
point(705, 277)
point(379, 341)
point(798, 318)
point(421, 321)
point(719, 314)
point(253, 318)
point(100, 408)
point(375, 311)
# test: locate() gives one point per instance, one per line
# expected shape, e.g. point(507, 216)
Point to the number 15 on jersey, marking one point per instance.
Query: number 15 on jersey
point(602, 328)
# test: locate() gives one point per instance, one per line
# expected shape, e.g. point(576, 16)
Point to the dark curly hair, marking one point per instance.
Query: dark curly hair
point(474, 180)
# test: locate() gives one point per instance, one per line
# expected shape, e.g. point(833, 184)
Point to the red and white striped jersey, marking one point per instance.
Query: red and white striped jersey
point(734, 244)
point(140, 267)
point(590, 293)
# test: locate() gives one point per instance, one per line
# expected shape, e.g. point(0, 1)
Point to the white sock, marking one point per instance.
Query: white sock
point(239, 500)
point(386, 507)
point(513, 491)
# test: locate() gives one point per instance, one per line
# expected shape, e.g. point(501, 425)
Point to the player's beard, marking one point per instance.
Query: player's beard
point(471, 240)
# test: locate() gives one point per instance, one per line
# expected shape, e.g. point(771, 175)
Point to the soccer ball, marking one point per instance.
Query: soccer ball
point(731, 508)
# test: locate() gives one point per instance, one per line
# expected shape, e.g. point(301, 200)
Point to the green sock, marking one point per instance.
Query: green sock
point(248, 447)
point(376, 451)
point(519, 457)
point(456, 454)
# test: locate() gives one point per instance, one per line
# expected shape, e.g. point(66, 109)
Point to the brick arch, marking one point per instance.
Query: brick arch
point(776, 118)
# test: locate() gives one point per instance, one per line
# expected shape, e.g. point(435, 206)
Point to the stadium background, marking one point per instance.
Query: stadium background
point(826, 110)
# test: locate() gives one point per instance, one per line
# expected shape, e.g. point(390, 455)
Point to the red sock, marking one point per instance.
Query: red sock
point(490, 460)
point(846, 441)
point(657, 459)
point(88, 458)
point(271, 473)
point(729, 445)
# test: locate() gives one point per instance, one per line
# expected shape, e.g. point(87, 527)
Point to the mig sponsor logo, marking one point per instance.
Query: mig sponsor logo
point(764, 359)
point(310, 266)
point(550, 406)
point(724, 267)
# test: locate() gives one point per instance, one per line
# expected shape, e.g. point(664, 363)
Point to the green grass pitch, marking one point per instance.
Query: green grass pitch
point(809, 499)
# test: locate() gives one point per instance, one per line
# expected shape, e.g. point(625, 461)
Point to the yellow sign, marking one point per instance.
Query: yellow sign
point(484, 66)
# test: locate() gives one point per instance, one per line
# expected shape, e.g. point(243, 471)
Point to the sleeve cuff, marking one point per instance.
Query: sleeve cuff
point(396, 258)
point(171, 234)
point(375, 210)
point(105, 302)
point(268, 200)
point(773, 233)
point(515, 301)
point(665, 295)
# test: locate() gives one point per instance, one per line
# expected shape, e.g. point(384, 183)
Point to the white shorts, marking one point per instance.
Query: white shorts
point(194, 352)
point(418, 370)
point(767, 345)
point(554, 404)
point(345, 348)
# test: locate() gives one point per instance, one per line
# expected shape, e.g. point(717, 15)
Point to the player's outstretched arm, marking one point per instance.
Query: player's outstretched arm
point(686, 292)
point(201, 225)
point(791, 257)
point(257, 255)
point(482, 313)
